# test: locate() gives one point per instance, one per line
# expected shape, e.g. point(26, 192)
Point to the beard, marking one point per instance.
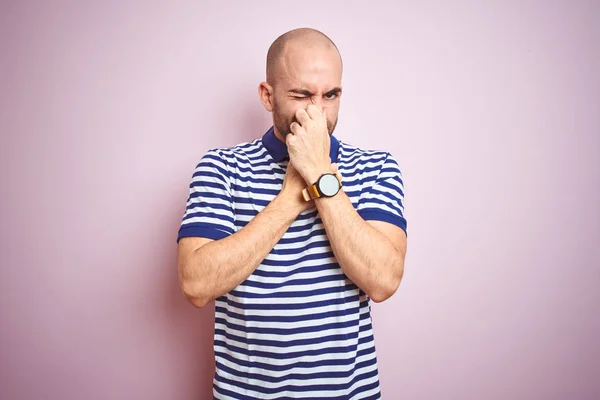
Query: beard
point(282, 123)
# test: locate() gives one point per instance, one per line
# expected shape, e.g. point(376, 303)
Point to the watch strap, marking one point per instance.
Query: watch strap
point(310, 193)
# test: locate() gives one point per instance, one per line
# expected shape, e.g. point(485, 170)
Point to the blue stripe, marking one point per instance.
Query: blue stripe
point(291, 355)
point(311, 245)
point(378, 215)
point(389, 184)
point(300, 239)
point(367, 388)
point(210, 174)
point(360, 171)
point(200, 214)
point(388, 173)
point(249, 200)
point(230, 395)
point(297, 364)
point(252, 181)
point(352, 159)
point(283, 318)
point(293, 282)
point(304, 227)
point(254, 191)
point(364, 388)
point(297, 376)
point(387, 194)
point(210, 231)
point(255, 156)
point(286, 331)
point(255, 150)
point(352, 193)
point(292, 306)
point(361, 183)
point(296, 261)
point(209, 184)
point(212, 206)
point(365, 316)
point(241, 223)
point(373, 201)
point(254, 163)
point(288, 343)
point(251, 170)
point(209, 163)
point(248, 213)
point(299, 389)
point(304, 294)
point(254, 211)
point(209, 195)
point(300, 270)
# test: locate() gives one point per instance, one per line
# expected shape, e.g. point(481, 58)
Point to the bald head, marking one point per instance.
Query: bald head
point(294, 41)
point(304, 67)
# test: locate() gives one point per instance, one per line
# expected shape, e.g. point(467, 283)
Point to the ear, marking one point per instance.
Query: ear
point(265, 93)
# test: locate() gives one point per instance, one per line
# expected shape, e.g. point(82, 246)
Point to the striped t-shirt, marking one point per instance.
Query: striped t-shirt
point(297, 327)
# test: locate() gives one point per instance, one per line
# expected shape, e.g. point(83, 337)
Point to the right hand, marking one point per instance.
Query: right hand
point(293, 184)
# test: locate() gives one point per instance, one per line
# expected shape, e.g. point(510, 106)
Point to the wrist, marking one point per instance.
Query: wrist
point(290, 202)
point(313, 175)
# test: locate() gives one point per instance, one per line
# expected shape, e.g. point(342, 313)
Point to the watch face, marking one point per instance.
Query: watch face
point(329, 185)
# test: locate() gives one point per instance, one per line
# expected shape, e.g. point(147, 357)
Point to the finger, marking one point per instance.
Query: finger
point(290, 140)
point(295, 128)
point(302, 116)
point(313, 111)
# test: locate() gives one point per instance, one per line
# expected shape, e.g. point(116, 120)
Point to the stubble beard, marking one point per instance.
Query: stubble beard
point(282, 124)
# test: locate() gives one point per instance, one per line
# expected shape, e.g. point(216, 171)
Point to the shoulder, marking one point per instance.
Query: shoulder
point(351, 155)
point(227, 156)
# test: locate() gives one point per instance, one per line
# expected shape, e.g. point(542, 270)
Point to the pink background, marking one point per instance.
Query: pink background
point(493, 112)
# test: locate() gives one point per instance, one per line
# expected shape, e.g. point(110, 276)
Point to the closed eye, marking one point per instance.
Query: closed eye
point(300, 94)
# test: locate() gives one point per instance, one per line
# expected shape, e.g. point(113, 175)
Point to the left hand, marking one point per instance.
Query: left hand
point(309, 143)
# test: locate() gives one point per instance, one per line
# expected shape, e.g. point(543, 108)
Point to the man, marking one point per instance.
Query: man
point(290, 254)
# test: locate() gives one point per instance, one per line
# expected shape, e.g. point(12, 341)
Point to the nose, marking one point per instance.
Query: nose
point(318, 101)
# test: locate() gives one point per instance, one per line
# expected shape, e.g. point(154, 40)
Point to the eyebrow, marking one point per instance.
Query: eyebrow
point(308, 93)
point(335, 90)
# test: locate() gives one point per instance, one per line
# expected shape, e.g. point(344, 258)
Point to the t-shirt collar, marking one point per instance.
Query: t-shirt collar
point(278, 150)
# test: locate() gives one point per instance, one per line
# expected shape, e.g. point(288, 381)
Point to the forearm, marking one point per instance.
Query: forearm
point(219, 266)
point(365, 255)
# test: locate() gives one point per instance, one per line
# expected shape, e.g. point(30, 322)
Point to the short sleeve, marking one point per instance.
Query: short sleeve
point(384, 199)
point(209, 209)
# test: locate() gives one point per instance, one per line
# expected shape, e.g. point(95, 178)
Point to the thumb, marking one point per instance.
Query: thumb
point(334, 169)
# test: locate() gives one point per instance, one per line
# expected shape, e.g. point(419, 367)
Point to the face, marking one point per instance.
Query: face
point(306, 76)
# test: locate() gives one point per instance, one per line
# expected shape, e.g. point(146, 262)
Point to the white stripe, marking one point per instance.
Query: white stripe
point(332, 393)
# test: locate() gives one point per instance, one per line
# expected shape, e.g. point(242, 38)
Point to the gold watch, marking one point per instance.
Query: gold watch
point(328, 185)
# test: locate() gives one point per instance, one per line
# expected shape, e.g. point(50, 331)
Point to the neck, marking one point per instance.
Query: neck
point(278, 135)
